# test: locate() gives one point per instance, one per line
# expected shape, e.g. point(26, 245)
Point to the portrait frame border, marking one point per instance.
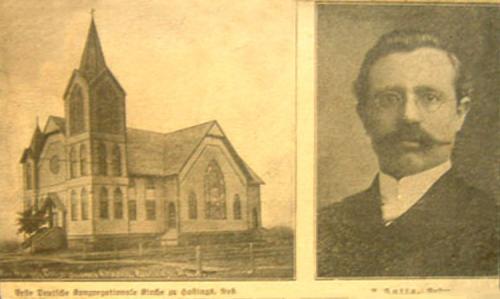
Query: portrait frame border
point(345, 3)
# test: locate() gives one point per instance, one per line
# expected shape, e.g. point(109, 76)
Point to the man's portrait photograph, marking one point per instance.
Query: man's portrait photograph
point(407, 140)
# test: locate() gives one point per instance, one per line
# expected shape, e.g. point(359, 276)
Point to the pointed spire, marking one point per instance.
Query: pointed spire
point(36, 140)
point(92, 62)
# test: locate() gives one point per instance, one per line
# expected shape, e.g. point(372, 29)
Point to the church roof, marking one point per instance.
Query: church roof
point(36, 145)
point(152, 153)
point(37, 140)
point(179, 145)
point(59, 122)
point(148, 153)
point(92, 62)
point(145, 152)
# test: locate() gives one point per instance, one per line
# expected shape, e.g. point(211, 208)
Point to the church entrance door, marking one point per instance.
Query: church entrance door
point(54, 211)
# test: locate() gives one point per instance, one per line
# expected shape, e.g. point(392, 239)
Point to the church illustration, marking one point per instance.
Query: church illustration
point(103, 181)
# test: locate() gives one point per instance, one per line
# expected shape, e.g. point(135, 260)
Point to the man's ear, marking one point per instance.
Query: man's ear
point(463, 108)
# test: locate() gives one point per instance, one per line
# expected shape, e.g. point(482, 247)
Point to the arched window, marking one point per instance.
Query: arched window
point(193, 206)
point(29, 176)
point(103, 203)
point(74, 206)
point(108, 110)
point(102, 165)
point(76, 118)
point(73, 162)
point(117, 161)
point(215, 192)
point(118, 204)
point(237, 207)
point(132, 210)
point(84, 198)
point(83, 160)
point(132, 204)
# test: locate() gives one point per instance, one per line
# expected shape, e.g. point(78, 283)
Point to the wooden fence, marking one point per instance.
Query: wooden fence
point(196, 256)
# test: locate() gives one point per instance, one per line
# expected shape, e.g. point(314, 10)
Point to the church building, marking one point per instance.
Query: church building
point(106, 182)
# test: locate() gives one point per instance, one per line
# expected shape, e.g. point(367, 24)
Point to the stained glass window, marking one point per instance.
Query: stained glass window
point(215, 192)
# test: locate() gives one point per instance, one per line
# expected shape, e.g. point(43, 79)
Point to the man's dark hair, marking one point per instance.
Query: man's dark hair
point(407, 41)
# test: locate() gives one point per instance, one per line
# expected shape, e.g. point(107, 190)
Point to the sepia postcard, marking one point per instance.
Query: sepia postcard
point(407, 100)
point(249, 149)
point(137, 142)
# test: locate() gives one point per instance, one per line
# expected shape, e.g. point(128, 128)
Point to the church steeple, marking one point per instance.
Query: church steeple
point(36, 141)
point(95, 115)
point(92, 62)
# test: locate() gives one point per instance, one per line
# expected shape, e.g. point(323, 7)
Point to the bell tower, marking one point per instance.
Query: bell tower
point(95, 116)
point(95, 141)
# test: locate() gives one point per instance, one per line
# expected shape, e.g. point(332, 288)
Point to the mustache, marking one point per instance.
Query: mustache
point(412, 134)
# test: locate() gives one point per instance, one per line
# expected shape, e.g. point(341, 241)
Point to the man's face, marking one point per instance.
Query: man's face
point(411, 113)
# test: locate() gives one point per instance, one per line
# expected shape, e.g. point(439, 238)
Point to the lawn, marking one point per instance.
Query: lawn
point(261, 260)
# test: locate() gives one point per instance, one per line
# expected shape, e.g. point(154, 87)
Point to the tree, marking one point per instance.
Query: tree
point(30, 221)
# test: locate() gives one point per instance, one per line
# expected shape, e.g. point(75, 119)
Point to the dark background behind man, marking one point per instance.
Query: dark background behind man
point(346, 162)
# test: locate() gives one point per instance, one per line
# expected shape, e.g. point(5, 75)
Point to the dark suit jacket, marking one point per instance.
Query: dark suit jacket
point(450, 231)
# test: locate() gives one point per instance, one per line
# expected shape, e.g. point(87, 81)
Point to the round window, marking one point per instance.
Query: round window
point(54, 164)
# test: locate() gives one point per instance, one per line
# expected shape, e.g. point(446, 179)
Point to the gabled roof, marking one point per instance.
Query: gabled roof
point(146, 150)
point(36, 145)
point(180, 145)
point(249, 173)
point(61, 123)
point(152, 153)
point(255, 178)
point(36, 140)
point(55, 123)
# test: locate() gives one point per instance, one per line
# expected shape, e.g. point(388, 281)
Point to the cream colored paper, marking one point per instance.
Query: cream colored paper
point(249, 64)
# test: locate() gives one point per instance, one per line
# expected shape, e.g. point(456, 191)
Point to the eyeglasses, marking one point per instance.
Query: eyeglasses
point(428, 101)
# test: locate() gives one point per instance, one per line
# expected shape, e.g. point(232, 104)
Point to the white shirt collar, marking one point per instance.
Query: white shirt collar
point(399, 196)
